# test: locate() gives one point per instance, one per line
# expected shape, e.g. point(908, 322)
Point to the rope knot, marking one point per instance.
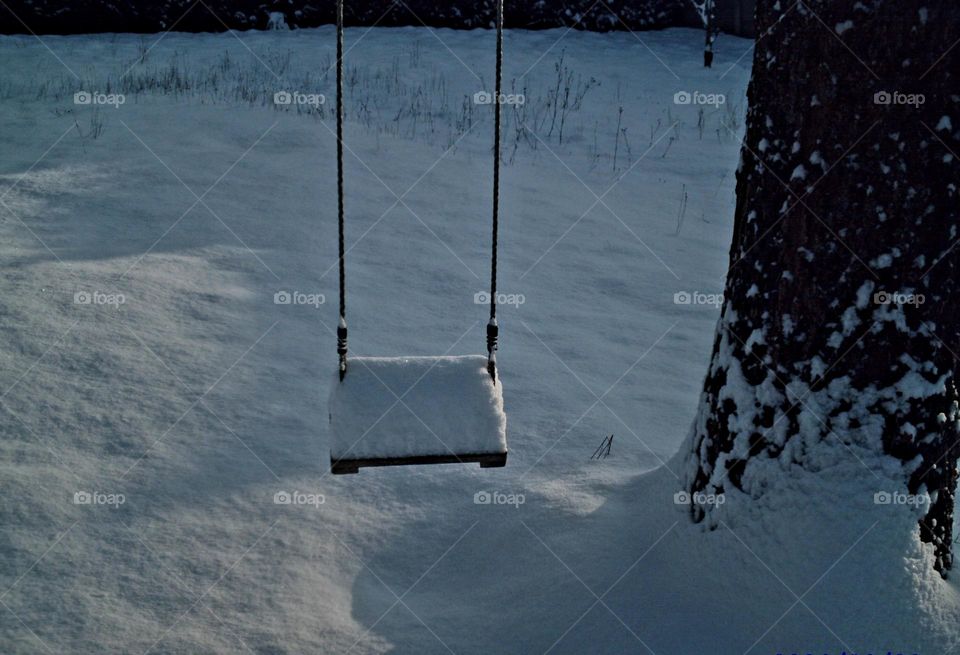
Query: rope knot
point(342, 347)
point(493, 333)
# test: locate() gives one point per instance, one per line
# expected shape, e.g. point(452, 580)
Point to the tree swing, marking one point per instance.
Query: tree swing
point(396, 411)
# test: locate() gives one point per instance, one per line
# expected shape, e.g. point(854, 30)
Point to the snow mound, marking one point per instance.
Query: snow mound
point(413, 406)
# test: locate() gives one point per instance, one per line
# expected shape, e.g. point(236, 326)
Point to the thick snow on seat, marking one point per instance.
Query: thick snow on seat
point(452, 408)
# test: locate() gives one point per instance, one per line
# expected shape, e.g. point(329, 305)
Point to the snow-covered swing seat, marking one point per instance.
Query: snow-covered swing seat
point(392, 411)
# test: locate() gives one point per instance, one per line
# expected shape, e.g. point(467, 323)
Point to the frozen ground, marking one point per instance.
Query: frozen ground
point(202, 400)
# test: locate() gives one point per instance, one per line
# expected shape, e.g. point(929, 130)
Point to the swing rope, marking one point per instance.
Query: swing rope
point(342, 325)
point(492, 327)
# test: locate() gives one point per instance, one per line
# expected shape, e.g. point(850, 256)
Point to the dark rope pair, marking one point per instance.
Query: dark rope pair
point(493, 330)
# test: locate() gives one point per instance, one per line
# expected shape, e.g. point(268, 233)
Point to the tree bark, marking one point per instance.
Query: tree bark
point(841, 316)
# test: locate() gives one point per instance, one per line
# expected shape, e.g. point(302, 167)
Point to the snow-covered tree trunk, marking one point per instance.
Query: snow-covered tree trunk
point(841, 325)
point(707, 10)
point(710, 30)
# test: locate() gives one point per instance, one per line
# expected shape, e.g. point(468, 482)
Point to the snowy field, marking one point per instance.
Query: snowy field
point(148, 359)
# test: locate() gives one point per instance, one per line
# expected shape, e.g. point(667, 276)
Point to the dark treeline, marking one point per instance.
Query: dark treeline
point(150, 16)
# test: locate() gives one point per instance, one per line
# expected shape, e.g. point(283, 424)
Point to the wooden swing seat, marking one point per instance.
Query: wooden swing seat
point(407, 411)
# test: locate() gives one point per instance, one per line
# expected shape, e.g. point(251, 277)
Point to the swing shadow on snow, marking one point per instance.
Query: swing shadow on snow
point(635, 575)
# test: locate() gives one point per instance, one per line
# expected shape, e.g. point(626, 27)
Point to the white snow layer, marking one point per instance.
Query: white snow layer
point(406, 406)
point(202, 399)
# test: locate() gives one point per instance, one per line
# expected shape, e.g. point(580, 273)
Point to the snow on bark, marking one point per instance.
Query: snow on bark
point(840, 329)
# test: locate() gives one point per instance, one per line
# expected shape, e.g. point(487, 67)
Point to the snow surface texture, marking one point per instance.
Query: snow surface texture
point(406, 406)
point(202, 397)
